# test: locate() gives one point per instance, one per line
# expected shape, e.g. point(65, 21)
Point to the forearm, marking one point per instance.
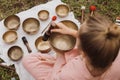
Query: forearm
point(74, 33)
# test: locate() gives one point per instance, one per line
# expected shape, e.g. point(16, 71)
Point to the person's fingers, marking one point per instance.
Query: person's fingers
point(56, 30)
point(60, 25)
point(53, 24)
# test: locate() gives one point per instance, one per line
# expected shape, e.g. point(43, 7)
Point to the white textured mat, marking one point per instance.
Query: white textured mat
point(50, 6)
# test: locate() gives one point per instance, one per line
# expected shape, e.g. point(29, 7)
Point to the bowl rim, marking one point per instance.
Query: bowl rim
point(62, 5)
point(63, 21)
point(7, 19)
point(76, 28)
point(26, 21)
point(8, 32)
point(65, 50)
point(10, 50)
point(43, 11)
point(38, 40)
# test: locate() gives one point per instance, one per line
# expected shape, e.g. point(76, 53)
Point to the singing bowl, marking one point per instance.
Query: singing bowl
point(70, 24)
point(31, 25)
point(43, 15)
point(62, 10)
point(15, 53)
point(12, 22)
point(42, 46)
point(10, 36)
point(63, 42)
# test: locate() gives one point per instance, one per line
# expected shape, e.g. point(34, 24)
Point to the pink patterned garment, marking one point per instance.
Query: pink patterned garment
point(65, 67)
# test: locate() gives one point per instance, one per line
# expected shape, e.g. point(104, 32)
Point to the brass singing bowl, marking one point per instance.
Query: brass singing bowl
point(43, 15)
point(10, 36)
point(70, 24)
point(62, 10)
point(31, 25)
point(15, 53)
point(42, 46)
point(63, 42)
point(12, 22)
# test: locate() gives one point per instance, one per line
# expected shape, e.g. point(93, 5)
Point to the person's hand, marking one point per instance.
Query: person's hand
point(63, 29)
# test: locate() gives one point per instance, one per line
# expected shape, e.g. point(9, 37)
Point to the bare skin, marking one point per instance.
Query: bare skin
point(64, 29)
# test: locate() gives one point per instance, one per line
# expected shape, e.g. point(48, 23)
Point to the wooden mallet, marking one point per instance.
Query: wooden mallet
point(26, 44)
point(92, 9)
point(83, 11)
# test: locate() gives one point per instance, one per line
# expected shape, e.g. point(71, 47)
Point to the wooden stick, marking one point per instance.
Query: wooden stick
point(92, 13)
point(8, 67)
point(46, 27)
point(26, 44)
point(53, 19)
point(83, 10)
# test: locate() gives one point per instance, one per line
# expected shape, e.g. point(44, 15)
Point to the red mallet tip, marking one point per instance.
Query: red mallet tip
point(54, 18)
point(92, 8)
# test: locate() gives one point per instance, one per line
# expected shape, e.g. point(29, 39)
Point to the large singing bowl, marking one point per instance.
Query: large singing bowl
point(63, 42)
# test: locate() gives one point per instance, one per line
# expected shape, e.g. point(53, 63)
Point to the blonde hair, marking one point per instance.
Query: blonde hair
point(99, 40)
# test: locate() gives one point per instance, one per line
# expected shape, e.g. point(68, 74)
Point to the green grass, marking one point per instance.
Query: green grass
point(110, 8)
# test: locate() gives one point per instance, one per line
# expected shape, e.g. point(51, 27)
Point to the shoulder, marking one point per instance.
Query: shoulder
point(74, 70)
point(71, 54)
point(113, 72)
point(117, 60)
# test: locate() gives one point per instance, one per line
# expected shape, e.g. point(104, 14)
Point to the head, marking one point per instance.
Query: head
point(99, 40)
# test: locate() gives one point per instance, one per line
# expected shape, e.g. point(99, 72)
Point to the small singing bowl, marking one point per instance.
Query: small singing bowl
point(43, 15)
point(12, 22)
point(42, 46)
point(31, 25)
point(10, 36)
point(15, 53)
point(62, 10)
point(63, 42)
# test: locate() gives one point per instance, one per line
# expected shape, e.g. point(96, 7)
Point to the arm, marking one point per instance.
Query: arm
point(63, 29)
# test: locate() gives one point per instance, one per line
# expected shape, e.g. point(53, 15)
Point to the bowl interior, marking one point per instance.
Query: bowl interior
point(15, 53)
point(62, 10)
point(63, 42)
point(10, 36)
point(31, 25)
point(42, 46)
point(70, 24)
point(12, 22)
point(43, 15)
